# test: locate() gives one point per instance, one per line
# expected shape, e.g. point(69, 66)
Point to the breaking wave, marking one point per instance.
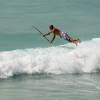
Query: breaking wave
point(62, 59)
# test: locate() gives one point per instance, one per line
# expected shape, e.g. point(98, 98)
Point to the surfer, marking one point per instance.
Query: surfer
point(57, 32)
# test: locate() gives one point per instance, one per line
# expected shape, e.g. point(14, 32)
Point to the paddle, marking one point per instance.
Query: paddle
point(41, 33)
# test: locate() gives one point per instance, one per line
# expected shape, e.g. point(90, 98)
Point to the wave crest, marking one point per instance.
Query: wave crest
point(84, 58)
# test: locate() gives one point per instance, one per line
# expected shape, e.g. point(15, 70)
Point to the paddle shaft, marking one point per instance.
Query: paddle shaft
point(41, 33)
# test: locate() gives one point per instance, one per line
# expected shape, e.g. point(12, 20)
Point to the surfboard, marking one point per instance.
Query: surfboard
point(41, 33)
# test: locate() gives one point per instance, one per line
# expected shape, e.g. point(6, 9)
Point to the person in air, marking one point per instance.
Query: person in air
point(57, 32)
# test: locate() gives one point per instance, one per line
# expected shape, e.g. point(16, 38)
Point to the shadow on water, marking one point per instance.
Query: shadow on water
point(36, 76)
point(45, 76)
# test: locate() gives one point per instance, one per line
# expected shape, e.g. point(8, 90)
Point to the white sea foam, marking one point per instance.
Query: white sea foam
point(84, 58)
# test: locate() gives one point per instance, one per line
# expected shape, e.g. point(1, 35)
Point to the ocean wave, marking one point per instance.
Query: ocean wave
point(62, 59)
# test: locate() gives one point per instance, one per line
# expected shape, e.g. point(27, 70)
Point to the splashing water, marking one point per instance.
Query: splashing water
point(84, 58)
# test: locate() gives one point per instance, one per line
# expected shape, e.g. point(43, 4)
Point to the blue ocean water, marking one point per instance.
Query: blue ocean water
point(31, 68)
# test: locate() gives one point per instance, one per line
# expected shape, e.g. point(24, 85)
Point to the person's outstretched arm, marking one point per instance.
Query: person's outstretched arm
point(47, 34)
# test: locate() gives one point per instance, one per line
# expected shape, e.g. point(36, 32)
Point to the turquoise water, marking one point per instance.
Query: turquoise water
point(31, 68)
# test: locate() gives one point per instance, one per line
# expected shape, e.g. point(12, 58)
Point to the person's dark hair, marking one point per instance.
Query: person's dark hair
point(51, 26)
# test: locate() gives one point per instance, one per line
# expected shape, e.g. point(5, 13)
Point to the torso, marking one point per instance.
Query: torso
point(56, 31)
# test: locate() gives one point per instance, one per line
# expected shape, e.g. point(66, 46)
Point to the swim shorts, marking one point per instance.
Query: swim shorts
point(65, 36)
